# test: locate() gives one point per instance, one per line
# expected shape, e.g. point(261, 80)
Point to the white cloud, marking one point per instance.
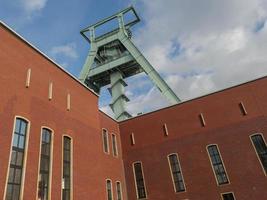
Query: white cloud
point(233, 40)
point(220, 46)
point(68, 50)
point(33, 5)
point(146, 102)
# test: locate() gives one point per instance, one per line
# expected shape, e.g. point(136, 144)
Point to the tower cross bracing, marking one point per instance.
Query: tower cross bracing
point(113, 57)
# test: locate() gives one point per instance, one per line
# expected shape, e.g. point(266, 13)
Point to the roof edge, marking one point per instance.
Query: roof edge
point(45, 56)
point(108, 116)
point(196, 98)
point(93, 92)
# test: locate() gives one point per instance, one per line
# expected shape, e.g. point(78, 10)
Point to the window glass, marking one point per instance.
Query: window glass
point(118, 187)
point(66, 191)
point(114, 145)
point(261, 149)
point(228, 196)
point(105, 140)
point(217, 165)
point(15, 140)
point(109, 190)
point(139, 180)
point(176, 173)
point(45, 159)
point(16, 161)
point(21, 141)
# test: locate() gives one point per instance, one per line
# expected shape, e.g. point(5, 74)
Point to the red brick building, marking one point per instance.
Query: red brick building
point(56, 144)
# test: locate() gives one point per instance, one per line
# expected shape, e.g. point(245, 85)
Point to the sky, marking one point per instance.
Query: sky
point(198, 47)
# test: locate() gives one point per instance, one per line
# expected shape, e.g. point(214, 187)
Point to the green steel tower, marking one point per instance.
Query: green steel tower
point(113, 57)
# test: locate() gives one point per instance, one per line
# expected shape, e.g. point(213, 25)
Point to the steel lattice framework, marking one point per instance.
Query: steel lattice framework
point(113, 57)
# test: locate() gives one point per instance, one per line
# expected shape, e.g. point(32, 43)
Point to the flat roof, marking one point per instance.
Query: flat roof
point(46, 57)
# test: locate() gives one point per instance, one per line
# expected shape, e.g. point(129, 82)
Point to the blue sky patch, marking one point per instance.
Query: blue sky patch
point(259, 25)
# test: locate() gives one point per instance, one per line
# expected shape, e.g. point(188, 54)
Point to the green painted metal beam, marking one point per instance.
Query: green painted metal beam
point(118, 96)
point(110, 65)
point(88, 63)
point(113, 57)
point(149, 69)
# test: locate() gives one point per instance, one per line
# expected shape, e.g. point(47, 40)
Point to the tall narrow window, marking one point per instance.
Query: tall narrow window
point(66, 190)
point(16, 169)
point(118, 189)
point(261, 149)
point(45, 160)
point(105, 140)
point(109, 190)
point(217, 165)
point(228, 196)
point(176, 173)
point(139, 180)
point(114, 145)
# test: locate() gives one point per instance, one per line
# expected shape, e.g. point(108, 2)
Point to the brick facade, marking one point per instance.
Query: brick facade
point(226, 124)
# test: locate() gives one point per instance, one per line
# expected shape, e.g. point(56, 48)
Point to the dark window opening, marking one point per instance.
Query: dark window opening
point(44, 172)
point(217, 165)
point(109, 190)
point(139, 180)
point(118, 187)
point(261, 149)
point(66, 191)
point(228, 196)
point(17, 160)
point(114, 145)
point(105, 140)
point(176, 173)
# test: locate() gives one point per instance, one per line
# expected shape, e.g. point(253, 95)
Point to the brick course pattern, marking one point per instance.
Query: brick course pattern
point(218, 118)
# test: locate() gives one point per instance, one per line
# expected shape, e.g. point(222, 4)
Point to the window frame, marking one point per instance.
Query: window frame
point(24, 157)
point(111, 185)
point(116, 145)
point(135, 182)
point(120, 190)
point(227, 193)
point(71, 166)
point(218, 184)
point(103, 143)
point(181, 171)
point(250, 137)
point(51, 160)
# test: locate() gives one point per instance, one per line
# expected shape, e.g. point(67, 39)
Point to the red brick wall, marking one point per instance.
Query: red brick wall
point(113, 167)
point(225, 126)
point(83, 122)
